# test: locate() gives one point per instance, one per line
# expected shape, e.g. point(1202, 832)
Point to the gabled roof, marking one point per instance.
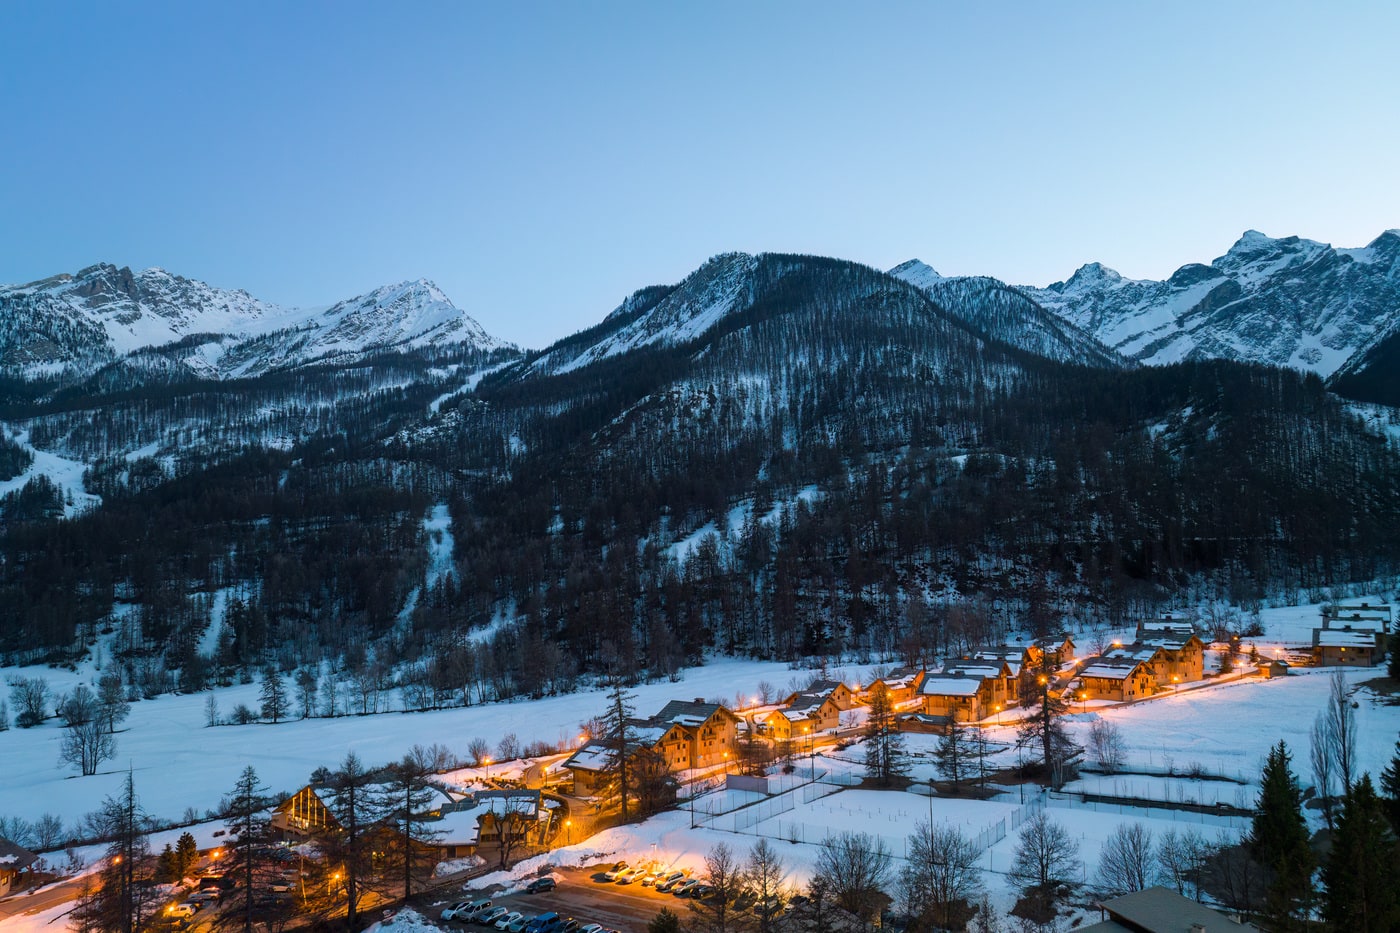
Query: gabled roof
point(1341, 638)
point(690, 712)
point(824, 686)
point(1134, 652)
point(954, 684)
point(900, 677)
point(1106, 668)
point(14, 856)
point(1160, 910)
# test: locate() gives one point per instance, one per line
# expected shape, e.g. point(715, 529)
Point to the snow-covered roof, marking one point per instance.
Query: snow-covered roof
point(970, 669)
point(951, 685)
point(1355, 623)
point(1341, 638)
point(1134, 652)
point(1109, 671)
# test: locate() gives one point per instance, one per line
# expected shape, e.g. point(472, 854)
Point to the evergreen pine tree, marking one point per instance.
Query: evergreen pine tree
point(1278, 841)
point(186, 854)
point(273, 695)
point(885, 757)
point(1390, 790)
point(1045, 728)
point(1360, 871)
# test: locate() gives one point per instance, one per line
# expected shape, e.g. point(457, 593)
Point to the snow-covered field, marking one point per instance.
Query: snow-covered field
point(1217, 729)
point(179, 763)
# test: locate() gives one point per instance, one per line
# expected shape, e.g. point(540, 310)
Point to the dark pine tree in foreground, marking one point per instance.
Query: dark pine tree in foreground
point(122, 899)
point(1390, 788)
point(1278, 841)
point(1359, 875)
point(249, 833)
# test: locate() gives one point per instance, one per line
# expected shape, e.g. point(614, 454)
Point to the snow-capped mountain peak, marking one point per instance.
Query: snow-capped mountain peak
point(105, 313)
point(918, 274)
point(1288, 301)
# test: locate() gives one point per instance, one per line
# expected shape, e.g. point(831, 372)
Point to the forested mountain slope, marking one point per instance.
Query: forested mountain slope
point(782, 455)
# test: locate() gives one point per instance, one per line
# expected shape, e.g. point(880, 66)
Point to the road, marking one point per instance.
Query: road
point(43, 899)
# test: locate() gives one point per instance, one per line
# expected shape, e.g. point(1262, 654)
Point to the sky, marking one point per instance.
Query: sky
point(541, 161)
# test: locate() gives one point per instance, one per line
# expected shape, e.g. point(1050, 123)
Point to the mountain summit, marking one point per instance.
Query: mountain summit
point(104, 314)
point(1284, 301)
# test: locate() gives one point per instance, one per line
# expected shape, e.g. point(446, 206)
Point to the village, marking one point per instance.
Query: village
point(795, 767)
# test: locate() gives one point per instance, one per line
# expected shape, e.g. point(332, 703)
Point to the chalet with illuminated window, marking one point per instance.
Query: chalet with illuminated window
point(15, 863)
point(686, 735)
point(901, 685)
point(804, 714)
point(1343, 647)
point(305, 813)
point(965, 693)
point(1122, 679)
point(1183, 652)
point(527, 817)
point(843, 696)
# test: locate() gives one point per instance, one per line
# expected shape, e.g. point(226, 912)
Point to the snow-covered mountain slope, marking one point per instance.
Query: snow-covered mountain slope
point(1007, 315)
point(664, 317)
point(1288, 302)
point(104, 314)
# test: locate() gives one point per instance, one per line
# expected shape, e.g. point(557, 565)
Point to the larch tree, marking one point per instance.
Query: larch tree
point(763, 874)
point(122, 900)
point(249, 833)
point(1044, 729)
point(356, 809)
point(408, 798)
point(620, 739)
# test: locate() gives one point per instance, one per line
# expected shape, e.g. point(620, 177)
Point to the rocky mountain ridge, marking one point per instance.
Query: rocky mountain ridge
point(105, 315)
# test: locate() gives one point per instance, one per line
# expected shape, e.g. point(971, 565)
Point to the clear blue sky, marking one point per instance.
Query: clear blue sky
point(541, 161)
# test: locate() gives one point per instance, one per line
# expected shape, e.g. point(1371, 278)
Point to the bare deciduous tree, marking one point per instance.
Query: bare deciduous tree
point(1341, 730)
point(77, 707)
point(1181, 860)
point(942, 878)
point(1323, 760)
point(87, 746)
point(1106, 746)
point(855, 867)
point(763, 873)
point(1046, 855)
point(715, 913)
point(1125, 861)
point(30, 697)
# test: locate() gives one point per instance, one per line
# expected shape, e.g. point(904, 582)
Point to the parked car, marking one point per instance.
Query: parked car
point(670, 881)
point(591, 928)
point(611, 873)
point(175, 911)
point(684, 888)
point(519, 924)
point(543, 923)
point(547, 883)
point(745, 900)
point(488, 918)
point(569, 926)
point(699, 891)
point(504, 921)
point(475, 910)
point(627, 876)
point(449, 912)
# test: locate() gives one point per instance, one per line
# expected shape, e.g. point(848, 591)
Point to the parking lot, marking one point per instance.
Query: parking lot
point(623, 907)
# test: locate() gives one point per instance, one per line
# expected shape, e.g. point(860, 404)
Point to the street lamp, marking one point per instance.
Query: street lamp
point(568, 832)
point(1175, 679)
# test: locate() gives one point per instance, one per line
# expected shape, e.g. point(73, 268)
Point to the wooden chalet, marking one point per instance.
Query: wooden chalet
point(304, 813)
point(1352, 635)
point(1121, 679)
point(1343, 647)
point(1183, 653)
point(687, 734)
point(15, 862)
point(481, 818)
point(963, 694)
point(843, 696)
point(1162, 910)
point(804, 714)
point(901, 685)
